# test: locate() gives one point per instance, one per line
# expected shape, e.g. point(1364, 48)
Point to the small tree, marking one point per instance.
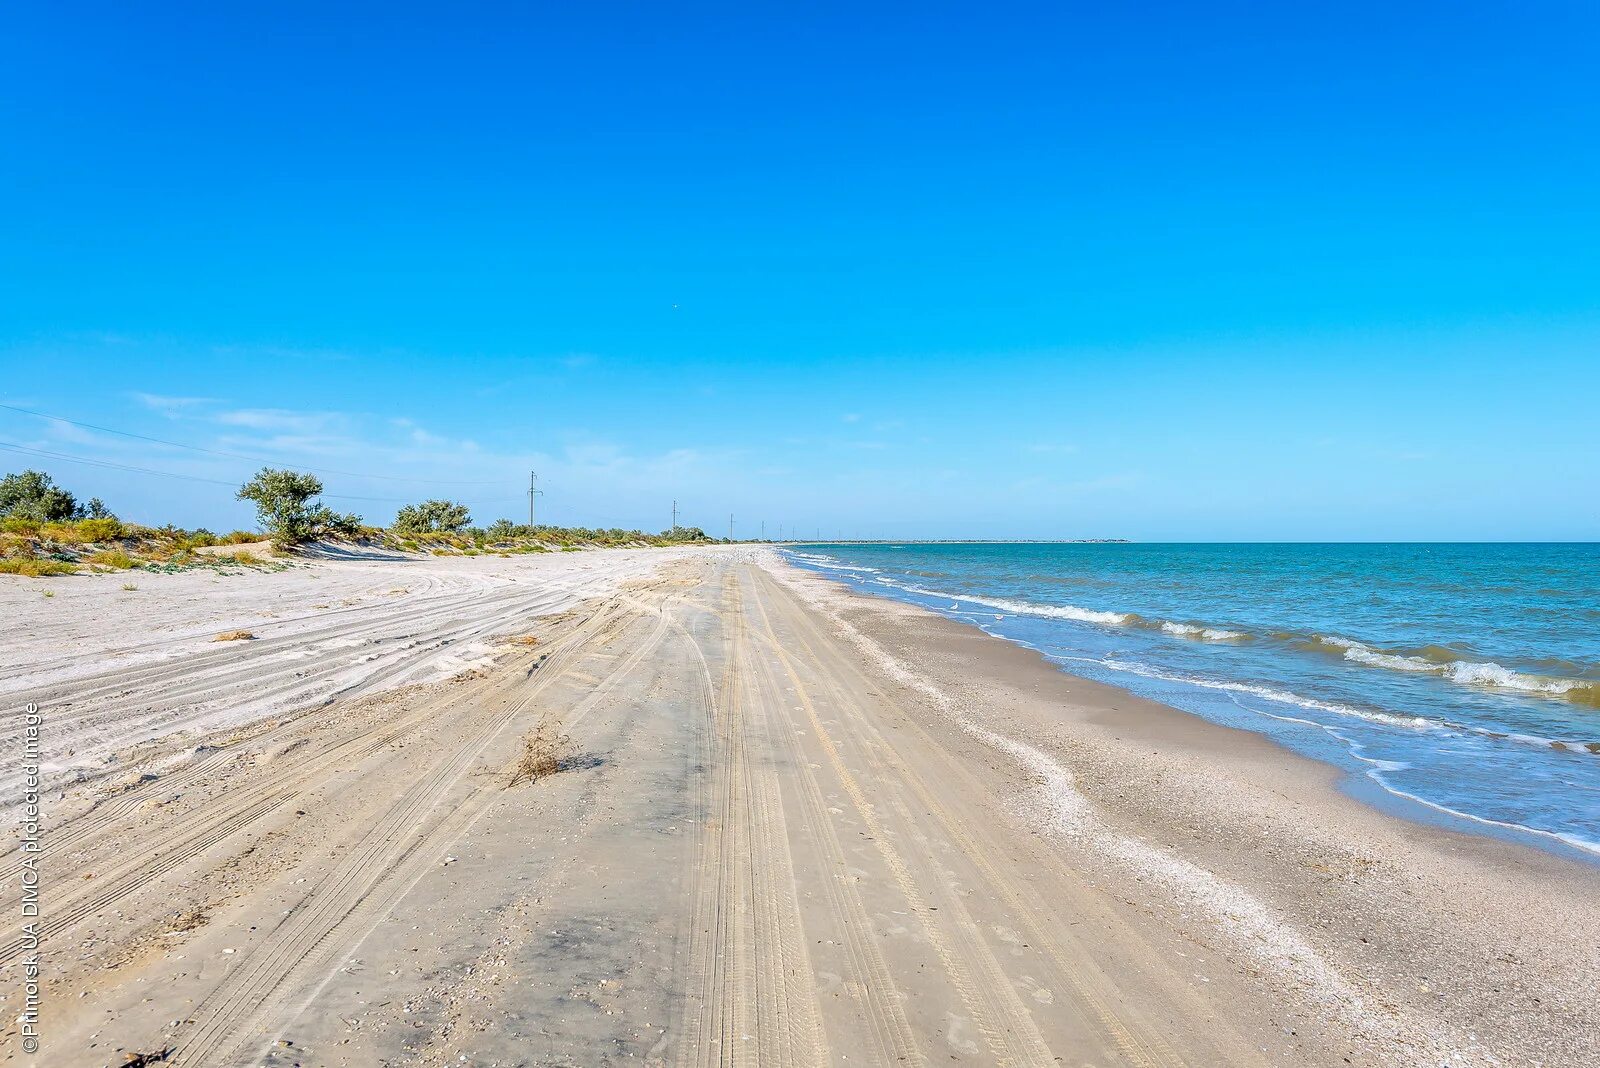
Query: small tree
point(684, 534)
point(34, 495)
point(431, 517)
point(96, 509)
point(288, 510)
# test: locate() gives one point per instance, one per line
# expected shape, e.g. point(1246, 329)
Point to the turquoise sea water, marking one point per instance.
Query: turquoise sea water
point(1464, 678)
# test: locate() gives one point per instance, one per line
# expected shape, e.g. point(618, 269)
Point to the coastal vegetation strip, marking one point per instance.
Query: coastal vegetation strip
point(46, 532)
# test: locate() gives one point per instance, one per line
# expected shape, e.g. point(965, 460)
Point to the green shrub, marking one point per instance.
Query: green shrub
point(99, 529)
point(113, 558)
point(431, 517)
point(200, 539)
point(37, 568)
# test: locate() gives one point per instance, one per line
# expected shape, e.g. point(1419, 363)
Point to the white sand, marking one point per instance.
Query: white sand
point(113, 669)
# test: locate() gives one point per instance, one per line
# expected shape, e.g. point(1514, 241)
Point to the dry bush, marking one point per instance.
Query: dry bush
point(234, 636)
point(115, 559)
point(544, 752)
point(520, 639)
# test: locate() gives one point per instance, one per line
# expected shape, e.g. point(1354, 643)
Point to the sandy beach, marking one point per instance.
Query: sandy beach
point(792, 825)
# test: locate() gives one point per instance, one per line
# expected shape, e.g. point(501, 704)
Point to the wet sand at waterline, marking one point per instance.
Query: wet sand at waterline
point(790, 825)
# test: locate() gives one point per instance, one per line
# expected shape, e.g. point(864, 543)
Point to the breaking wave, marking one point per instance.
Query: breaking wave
point(1208, 634)
point(1286, 697)
point(1433, 660)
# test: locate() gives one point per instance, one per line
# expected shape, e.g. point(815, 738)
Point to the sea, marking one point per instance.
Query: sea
point(1458, 683)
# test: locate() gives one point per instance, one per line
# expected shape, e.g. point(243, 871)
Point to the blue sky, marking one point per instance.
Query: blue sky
point(1250, 272)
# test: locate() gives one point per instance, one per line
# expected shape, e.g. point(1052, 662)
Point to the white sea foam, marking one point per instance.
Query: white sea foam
point(1370, 715)
point(1492, 674)
point(1029, 608)
point(1377, 768)
point(1133, 667)
point(1209, 634)
point(1053, 611)
point(1465, 672)
point(1021, 608)
point(833, 565)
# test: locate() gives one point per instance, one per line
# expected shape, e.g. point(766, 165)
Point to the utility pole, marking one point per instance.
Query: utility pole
point(730, 526)
point(674, 515)
point(533, 491)
point(763, 530)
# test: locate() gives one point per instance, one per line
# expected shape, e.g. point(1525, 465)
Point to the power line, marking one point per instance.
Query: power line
point(244, 456)
point(112, 465)
point(11, 447)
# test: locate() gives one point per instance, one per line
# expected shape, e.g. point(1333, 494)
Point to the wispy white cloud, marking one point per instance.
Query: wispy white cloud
point(282, 419)
point(170, 406)
point(62, 431)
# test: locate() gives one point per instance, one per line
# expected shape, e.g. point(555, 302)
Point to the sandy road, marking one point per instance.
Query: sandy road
point(762, 852)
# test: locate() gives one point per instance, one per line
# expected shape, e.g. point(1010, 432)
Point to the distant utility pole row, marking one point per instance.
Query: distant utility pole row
point(534, 493)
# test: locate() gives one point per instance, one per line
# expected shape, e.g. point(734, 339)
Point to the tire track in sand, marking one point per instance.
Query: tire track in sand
point(751, 999)
point(872, 984)
point(238, 809)
point(264, 993)
point(1138, 1045)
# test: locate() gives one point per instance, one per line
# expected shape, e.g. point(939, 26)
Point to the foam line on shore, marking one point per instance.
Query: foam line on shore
point(1457, 670)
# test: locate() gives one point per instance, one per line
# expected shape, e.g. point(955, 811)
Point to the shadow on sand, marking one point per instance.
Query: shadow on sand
point(334, 550)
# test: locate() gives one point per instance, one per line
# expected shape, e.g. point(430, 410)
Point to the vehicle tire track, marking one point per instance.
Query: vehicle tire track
point(1007, 1026)
point(748, 971)
point(240, 808)
point(1139, 1046)
point(253, 1002)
